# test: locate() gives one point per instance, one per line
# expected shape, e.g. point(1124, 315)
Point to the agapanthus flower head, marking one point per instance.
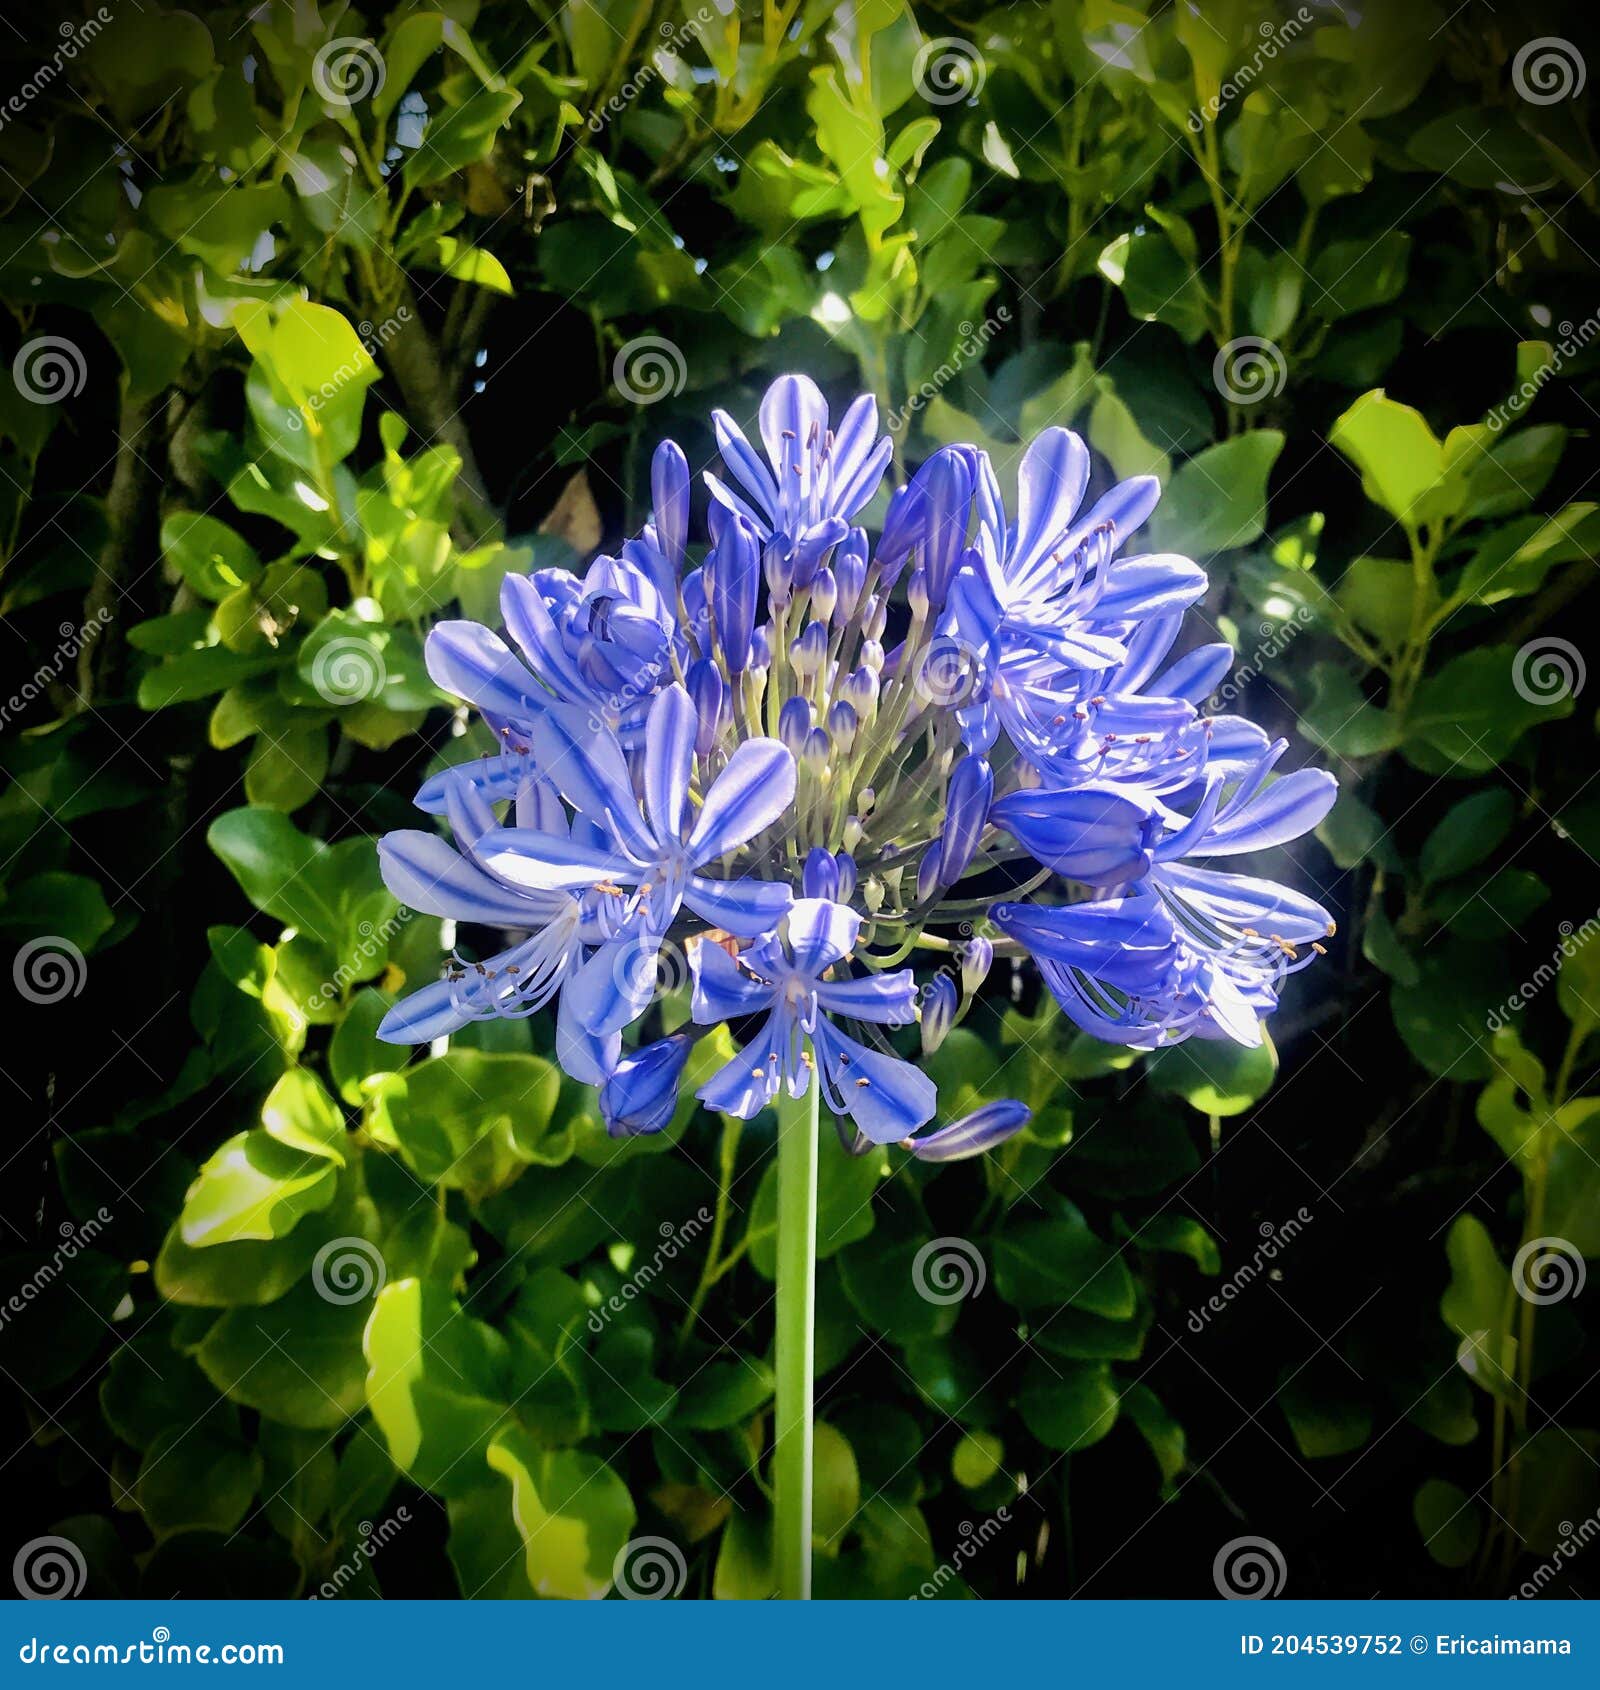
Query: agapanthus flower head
point(808, 762)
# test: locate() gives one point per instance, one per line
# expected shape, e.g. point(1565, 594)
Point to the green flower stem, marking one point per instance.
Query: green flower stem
point(797, 1300)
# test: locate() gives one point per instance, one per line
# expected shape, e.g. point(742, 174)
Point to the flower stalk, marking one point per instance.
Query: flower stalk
point(796, 1342)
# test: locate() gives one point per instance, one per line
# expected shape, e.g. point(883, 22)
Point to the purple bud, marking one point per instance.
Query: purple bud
point(842, 724)
point(709, 692)
point(948, 505)
point(794, 723)
point(824, 594)
point(850, 570)
point(917, 594)
point(966, 812)
point(847, 877)
point(875, 618)
point(815, 751)
point(821, 876)
point(976, 961)
point(777, 562)
point(928, 881)
point(973, 1134)
point(760, 650)
point(642, 1091)
point(860, 688)
point(733, 584)
point(938, 1012)
point(902, 529)
point(669, 493)
point(810, 651)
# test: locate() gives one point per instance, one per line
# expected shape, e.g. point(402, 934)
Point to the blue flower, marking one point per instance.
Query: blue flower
point(740, 759)
point(658, 849)
point(783, 976)
point(817, 481)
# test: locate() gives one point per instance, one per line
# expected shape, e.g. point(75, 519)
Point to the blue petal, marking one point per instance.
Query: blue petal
point(722, 992)
point(745, 907)
point(819, 934)
point(589, 770)
point(528, 619)
point(970, 793)
point(888, 999)
point(1050, 484)
point(751, 793)
point(1093, 835)
point(1288, 808)
point(748, 1083)
point(669, 496)
point(1161, 584)
point(426, 875)
point(641, 1093)
point(886, 1097)
point(1237, 901)
point(551, 861)
point(744, 464)
point(586, 1055)
point(466, 659)
point(669, 761)
point(495, 777)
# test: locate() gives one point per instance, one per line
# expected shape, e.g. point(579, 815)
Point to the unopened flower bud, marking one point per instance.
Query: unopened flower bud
point(872, 655)
point(850, 570)
point(847, 876)
point(939, 1004)
point(816, 751)
point(973, 1134)
point(820, 878)
point(928, 881)
point(794, 723)
point(917, 593)
point(808, 653)
point(872, 894)
point(824, 594)
point(976, 960)
point(865, 799)
point(842, 724)
point(966, 814)
point(854, 833)
point(709, 692)
point(876, 618)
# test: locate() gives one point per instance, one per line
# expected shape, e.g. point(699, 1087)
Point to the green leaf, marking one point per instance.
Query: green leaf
point(212, 557)
point(1217, 500)
point(299, 1360)
point(197, 1479)
point(1400, 458)
point(1068, 1407)
point(724, 1393)
point(472, 1120)
point(574, 1515)
point(1046, 1262)
point(435, 1384)
point(1450, 1522)
point(1468, 832)
point(1213, 1076)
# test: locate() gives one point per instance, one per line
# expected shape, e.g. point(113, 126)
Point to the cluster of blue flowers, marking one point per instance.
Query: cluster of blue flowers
point(807, 758)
